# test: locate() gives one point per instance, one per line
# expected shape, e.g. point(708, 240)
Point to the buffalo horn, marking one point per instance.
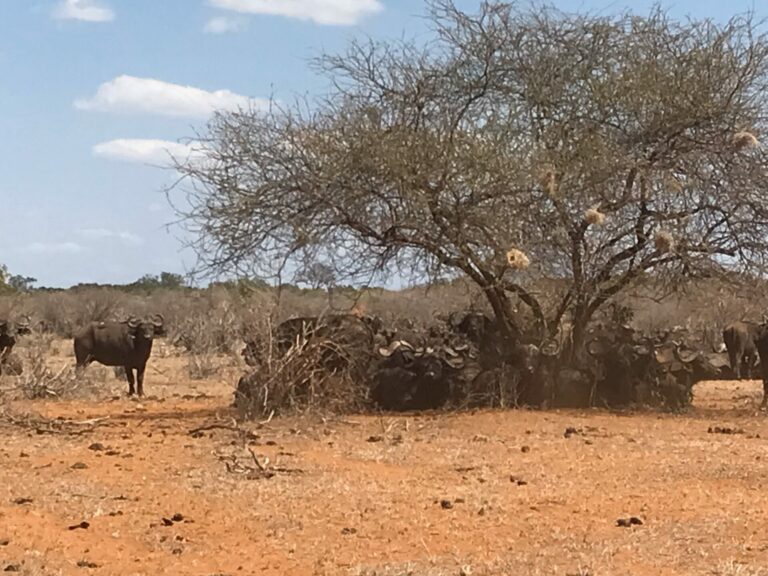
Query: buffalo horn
point(158, 320)
point(387, 351)
point(133, 322)
point(550, 347)
point(686, 356)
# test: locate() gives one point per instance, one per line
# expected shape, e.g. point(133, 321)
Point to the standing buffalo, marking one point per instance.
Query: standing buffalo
point(761, 343)
point(127, 344)
point(8, 333)
point(739, 338)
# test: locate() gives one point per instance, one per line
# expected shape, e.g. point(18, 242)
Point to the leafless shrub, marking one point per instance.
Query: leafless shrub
point(298, 380)
point(38, 379)
point(202, 365)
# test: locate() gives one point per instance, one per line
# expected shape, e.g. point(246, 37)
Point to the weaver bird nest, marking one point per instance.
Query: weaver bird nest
point(517, 259)
point(664, 241)
point(745, 139)
point(594, 217)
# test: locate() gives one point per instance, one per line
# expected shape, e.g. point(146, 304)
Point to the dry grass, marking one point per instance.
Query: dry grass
point(362, 495)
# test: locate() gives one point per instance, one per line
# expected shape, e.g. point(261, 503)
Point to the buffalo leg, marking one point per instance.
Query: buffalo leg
point(140, 379)
point(764, 403)
point(753, 359)
point(129, 376)
point(735, 359)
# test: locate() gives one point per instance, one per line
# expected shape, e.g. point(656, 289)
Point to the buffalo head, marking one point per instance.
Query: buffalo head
point(145, 329)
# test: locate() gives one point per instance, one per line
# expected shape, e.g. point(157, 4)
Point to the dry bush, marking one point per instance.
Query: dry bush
point(38, 379)
point(297, 381)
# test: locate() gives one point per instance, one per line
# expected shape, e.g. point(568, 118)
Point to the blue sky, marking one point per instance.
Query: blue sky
point(93, 91)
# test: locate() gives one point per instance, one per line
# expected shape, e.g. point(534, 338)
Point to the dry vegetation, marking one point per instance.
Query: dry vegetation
point(173, 481)
point(489, 492)
point(616, 155)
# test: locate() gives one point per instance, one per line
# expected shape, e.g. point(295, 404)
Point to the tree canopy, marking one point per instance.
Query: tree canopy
point(519, 143)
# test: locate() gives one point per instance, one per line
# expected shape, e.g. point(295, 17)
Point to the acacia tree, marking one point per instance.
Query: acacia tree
point(519, 143)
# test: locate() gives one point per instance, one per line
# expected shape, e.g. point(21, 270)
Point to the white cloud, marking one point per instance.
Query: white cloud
point(331, 12)
point(223, 24)
point(150, 96)
point(54, 248)
point(85, 10)
point(103, 233)
point(155, 207)
point(159, 152)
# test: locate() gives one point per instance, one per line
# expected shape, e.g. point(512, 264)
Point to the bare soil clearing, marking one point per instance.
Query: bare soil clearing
point(484, 493)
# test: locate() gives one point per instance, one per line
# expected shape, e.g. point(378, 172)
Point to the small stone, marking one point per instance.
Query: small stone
point(4, 541)
point(79, 466)
point(177, 517)
point(86, 564)
point(12, 568)
point(525, 449)
point(570, 431)
point(375, 439)
point(446, 504)
point(348, 531)
point(22, 501)
point(628, 522)
point(96, 447)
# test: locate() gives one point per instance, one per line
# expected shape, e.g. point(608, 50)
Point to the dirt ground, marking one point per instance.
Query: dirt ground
point(119, 487)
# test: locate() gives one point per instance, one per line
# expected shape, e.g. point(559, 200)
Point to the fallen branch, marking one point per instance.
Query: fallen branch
point(246, 433)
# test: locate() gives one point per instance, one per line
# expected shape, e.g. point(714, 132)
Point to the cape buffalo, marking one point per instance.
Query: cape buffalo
point(739, 338)
point(8, 333)
point(127, 344)
point(408, 378)
point(761, 343)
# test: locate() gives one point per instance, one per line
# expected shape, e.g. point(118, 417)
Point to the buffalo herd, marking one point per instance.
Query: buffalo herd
point(464, 359)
